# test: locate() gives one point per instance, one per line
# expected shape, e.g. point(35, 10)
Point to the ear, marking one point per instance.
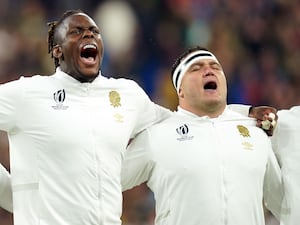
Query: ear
point(180, 93)
point(57, 51)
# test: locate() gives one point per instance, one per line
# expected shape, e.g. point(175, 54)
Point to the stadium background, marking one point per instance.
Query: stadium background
point(256, 41)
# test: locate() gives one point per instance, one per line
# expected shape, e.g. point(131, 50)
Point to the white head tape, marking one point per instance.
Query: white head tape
point(186, 63)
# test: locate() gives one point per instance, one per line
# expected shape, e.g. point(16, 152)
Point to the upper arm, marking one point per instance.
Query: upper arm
point(273, 186)
point(6, 201)
point(10, 96)
point(137, 163)
point(149, 112)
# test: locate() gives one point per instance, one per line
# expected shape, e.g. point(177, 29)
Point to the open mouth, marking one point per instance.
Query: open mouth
point(211, 85)
point(89, 53)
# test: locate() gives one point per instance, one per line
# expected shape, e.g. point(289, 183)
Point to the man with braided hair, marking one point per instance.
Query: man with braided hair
point(67, 132)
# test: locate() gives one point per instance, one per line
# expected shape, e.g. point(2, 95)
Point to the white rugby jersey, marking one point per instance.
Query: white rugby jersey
point(287, 149)
point(5, 190)
point(66, 142)
point(206, 171)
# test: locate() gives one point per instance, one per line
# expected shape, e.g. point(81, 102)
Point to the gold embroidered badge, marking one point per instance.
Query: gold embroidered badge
point(243, 131)
point(114, 98)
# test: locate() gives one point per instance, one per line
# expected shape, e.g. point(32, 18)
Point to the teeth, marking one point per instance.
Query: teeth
point(89, 46)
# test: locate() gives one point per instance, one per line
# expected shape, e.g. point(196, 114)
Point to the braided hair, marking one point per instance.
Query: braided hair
point(52, 30)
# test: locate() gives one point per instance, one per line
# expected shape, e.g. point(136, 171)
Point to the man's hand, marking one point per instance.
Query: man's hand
point(266, 117)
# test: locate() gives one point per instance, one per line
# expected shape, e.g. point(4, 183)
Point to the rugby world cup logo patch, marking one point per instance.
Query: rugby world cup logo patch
point(183, 132)
point(59, 97)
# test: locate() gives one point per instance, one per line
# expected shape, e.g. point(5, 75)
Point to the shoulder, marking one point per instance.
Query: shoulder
point(288, 119)
point(234, 115)
point(292, 112)
point(242, 123)
point(170, 123)
point(121, 82)
point(27, 82)
point(129, 90)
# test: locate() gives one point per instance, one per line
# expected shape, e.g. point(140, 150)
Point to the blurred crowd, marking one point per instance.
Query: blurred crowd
point(257, 42)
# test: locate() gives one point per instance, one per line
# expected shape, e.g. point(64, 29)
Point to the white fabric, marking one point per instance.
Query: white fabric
point(204, 171)
point(5, 190)
point(242, 109)
point(287, 149)
point(66, 142)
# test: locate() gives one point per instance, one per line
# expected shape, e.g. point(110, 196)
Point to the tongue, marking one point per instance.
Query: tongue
point(89, 60)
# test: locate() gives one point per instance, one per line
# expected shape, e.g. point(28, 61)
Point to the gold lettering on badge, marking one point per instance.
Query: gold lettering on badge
point(114, 98)
point(118, 118)
point(247, 146)
point(243, 131)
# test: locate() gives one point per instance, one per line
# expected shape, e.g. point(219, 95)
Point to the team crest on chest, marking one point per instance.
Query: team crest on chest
point(243, 131)
point(115, 101)
point(115, 98)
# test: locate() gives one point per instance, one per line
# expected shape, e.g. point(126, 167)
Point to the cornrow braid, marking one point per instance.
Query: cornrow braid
point(52, 30)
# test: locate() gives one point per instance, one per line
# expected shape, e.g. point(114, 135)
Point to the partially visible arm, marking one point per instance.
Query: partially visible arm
point(5, 180)
point(261, 113)
point(137, 164)
point(149, 112)
point(273, 187)
point(5, 190)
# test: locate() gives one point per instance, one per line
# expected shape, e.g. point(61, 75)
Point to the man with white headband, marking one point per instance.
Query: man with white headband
point(206, 164)
point(186, 63)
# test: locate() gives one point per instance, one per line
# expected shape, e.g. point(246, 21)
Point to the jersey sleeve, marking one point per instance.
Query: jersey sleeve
point(5, 190)
point(273, 186)
point(149, 112)
point(137, 163)
point(10, 94)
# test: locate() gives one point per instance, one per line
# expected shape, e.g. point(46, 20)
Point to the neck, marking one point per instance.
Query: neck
point(85, 79)
point(210, 111)
point(77, 75)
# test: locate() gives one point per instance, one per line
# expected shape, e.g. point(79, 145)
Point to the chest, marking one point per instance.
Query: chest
point(198, 148)
point(66, 118)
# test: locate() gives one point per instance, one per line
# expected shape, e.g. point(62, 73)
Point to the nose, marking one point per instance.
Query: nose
point(207, 71)
point(88, 33)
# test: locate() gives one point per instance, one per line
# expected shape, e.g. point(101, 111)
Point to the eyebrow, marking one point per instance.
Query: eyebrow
point(200, 63)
